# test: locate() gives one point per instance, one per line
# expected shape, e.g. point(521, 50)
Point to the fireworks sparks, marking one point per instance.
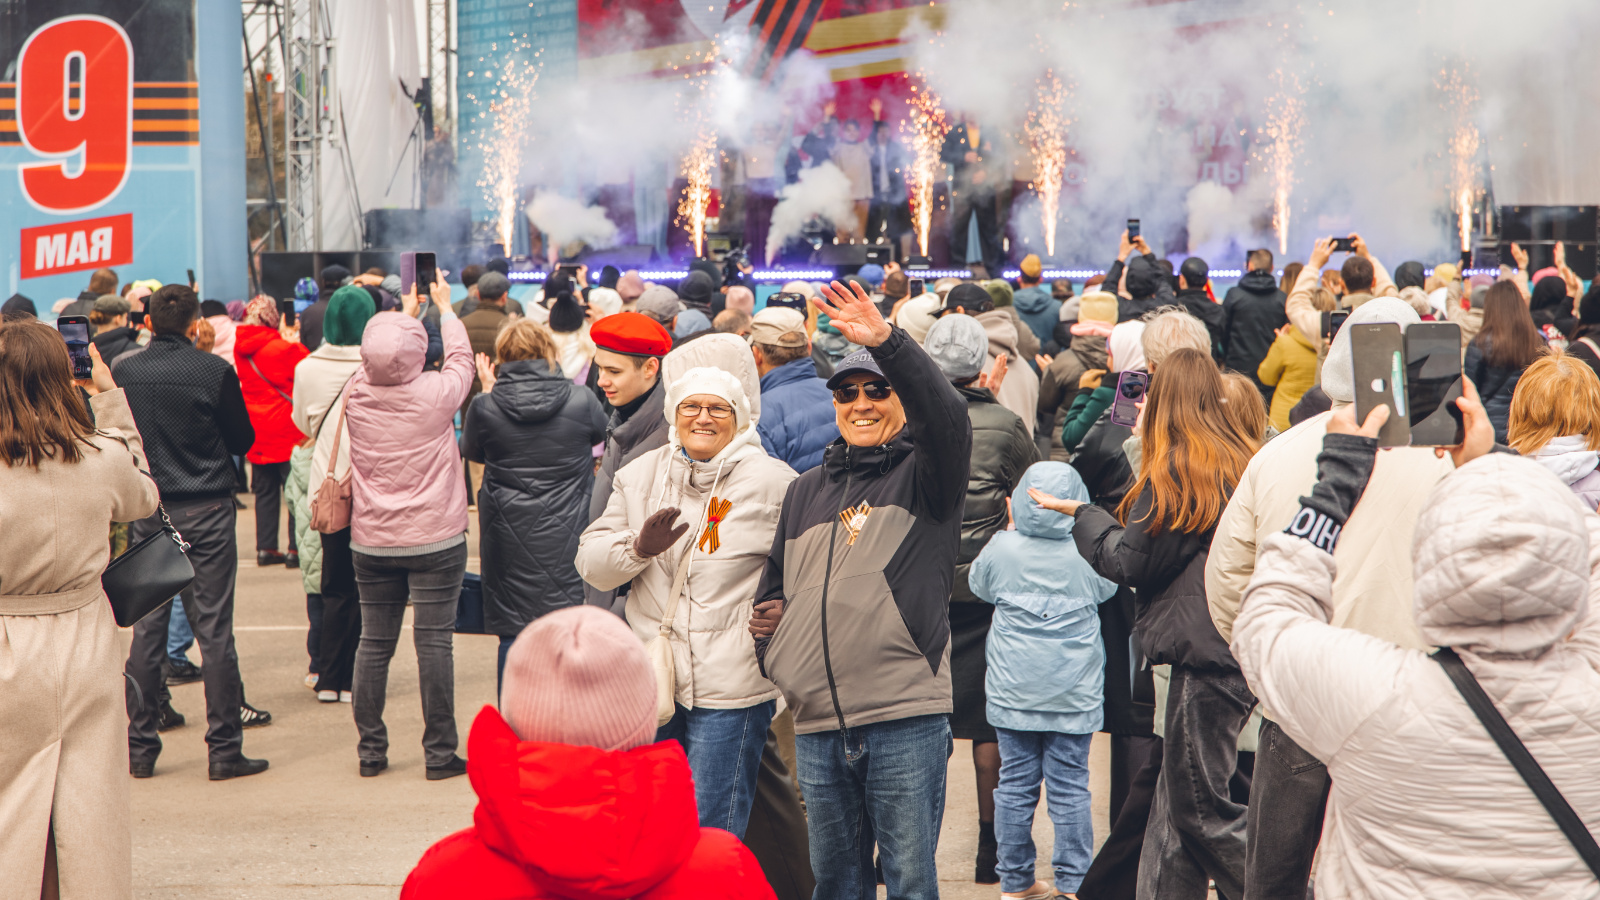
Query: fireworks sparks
point(927, 125)
point(1462, 99)
point(1285, 118)
point(695, 168)
point(1047, 142)
point(511, 104)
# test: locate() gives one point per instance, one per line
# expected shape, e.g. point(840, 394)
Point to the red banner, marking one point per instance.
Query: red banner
point(62, 247)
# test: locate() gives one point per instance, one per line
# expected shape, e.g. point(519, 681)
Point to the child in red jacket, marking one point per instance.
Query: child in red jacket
point(573, 800)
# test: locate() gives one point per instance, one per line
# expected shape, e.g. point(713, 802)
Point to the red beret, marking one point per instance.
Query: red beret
point(633, 333)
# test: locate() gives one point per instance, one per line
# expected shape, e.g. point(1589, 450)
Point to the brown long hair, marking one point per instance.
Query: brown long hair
point(1508, 339)
point(41, 412)
point(1192, 456)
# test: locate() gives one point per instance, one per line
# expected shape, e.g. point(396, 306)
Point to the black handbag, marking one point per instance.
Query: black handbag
point(469, 609)
point(1516, 752)
point(148, 574)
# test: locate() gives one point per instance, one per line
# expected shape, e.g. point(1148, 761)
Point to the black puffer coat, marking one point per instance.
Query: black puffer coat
point(1168, 574)
point(1001, 452)
point(535, 434)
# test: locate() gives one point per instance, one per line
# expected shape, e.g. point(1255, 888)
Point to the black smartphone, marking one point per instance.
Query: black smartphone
point(286, 309)
point(1131, 387)
point(571, 271)
point(1332, 321)
point(1466, 263)
point(418, 268)
point(75, 331)
point(191, 277)
point(1433, 382)
point(917, 288)
point(1344, 245)
point(1133, 229)
point(1378, 357)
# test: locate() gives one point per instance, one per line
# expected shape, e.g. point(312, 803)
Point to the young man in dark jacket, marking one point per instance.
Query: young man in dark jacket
point(191, 415)
point(861, 571)
point(1252, 313)
point(1192, 278)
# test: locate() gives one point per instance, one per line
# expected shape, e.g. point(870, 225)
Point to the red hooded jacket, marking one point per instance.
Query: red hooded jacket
point(581, 823)
point(270, 413)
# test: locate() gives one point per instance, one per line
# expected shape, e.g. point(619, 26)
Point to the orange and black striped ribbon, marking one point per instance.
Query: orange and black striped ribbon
point(165, 113)
point(780, 27)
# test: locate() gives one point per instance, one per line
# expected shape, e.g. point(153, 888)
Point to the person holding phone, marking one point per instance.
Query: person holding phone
point(1373, 594)
point(267, 349)
point(1507, 344)
point(66, 474)
point(1361, 275)
point(1156, 543)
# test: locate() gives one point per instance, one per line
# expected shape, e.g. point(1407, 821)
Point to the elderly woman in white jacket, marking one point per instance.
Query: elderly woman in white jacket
point(1423, 802)
point(691, 524)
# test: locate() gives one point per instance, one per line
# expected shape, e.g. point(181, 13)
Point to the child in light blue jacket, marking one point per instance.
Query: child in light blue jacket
point(1046, 680)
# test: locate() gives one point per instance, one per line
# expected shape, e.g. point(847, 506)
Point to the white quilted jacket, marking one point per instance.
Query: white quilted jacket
point(1423, 803)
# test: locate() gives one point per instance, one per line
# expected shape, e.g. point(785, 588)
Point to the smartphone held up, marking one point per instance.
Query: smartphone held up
point(1131, 388)
point(1417, 374)
point(75, 331)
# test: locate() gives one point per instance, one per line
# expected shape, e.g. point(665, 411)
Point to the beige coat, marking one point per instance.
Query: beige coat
point(714, 655)
point(1373, 591)
point(64, 750)
point(1019, 392)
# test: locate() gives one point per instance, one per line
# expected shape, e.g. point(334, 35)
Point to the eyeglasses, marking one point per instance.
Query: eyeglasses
point(875, 390)
point(692, 410)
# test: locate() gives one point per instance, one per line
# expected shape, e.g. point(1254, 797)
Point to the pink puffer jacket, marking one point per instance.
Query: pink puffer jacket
point(407, 487)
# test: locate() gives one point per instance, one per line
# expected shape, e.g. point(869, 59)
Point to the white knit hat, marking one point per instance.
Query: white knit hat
point(707, 380)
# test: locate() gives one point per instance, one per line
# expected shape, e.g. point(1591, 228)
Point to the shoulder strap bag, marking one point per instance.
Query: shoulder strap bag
point(659, 650)
point(286, 398)
point(148, 574)
point(1528, 767)
point(330, 505)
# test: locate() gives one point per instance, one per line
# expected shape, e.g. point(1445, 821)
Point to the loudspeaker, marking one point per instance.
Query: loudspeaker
point(417, 229)
point(842, 255)
point(1578, 224)
point(280, 271)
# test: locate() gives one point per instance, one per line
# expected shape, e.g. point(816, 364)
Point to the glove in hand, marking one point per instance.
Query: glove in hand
point(657, 534)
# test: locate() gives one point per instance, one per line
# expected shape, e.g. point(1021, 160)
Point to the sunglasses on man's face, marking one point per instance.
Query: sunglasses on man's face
point(875, 390)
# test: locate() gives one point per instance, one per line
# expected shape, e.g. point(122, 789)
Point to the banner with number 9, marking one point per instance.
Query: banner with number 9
point(90, 131)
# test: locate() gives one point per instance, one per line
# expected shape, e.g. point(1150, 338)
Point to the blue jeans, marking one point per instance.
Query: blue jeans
point(881, 783)
point(724, 749)
point(1062, 762)
point(180, 637)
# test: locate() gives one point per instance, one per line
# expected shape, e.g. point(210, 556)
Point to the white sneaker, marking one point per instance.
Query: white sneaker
point(311, 680)
point(345, 696)
point(328, 696)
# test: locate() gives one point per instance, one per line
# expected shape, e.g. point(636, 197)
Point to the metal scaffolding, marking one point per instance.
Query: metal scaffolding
point(307, 58)
point(441, 59)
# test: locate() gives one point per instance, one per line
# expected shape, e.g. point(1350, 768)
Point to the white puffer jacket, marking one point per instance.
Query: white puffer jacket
point(714, 655)
point(1424, 804)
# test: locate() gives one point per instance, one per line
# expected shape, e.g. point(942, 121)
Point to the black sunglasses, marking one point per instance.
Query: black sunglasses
point(875, 390)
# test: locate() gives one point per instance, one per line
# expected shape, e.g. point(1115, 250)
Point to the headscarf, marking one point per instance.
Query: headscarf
point(305, 291)
point(1126, 347)
point(263, 310)
point(346, 319)
point(235, 308)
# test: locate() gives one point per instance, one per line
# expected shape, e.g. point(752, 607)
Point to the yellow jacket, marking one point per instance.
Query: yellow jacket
point(1291, 364)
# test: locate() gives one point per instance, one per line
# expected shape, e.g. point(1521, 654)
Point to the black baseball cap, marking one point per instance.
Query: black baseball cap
point(859, 361)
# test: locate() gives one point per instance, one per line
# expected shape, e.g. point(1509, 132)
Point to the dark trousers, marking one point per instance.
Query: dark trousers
point(208, 602)
point(963, 204)
point(432, 581)
point(891, 219)
point(266, 481)
point(1114, 874)
point(340, 633)
point(314, 632)
point(1287, 799)
point(776, 834)
point(1196, 830)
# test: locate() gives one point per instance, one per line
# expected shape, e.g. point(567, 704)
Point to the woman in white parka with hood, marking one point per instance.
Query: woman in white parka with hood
point(1423, 802)
point(706, 504)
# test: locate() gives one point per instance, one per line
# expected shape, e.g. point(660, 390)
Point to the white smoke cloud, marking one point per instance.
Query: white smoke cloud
point(821, 191)
point(566, 220)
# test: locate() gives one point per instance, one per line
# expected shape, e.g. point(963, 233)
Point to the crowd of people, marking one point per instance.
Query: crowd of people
point(753, 571)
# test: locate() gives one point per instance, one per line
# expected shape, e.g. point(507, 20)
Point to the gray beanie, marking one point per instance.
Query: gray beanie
point(959, 346)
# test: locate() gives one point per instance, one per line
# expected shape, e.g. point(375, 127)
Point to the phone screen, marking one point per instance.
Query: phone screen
point(286, 308)
point(917, 288)
point(427, 273)
point(1433, 382)
point(1131, 387)
point(75, 331)
point(1332, 321)
point(1344, 245)
point(1133, 229)
point(1377, 352)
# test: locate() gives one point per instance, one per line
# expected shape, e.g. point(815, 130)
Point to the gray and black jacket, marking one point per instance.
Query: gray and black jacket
point(865, 634)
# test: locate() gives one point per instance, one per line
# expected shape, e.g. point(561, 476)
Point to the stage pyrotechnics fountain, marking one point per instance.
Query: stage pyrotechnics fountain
point(1047, 143)
point(926, 125)
point(512, 106)
point(1285, 119)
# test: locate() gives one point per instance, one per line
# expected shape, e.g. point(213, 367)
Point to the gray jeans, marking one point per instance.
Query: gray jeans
point(433, 583)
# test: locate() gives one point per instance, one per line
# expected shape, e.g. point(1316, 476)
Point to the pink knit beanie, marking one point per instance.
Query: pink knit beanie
point(580, 676)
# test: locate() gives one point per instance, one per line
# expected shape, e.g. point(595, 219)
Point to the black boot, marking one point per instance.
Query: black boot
point(988, 855)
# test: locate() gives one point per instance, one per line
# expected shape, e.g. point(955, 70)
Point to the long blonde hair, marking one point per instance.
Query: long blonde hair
point(1556, 396)
point(1193, 456)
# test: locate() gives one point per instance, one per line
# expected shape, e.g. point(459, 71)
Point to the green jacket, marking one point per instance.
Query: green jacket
point(296, 488)
point(1086, 409)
